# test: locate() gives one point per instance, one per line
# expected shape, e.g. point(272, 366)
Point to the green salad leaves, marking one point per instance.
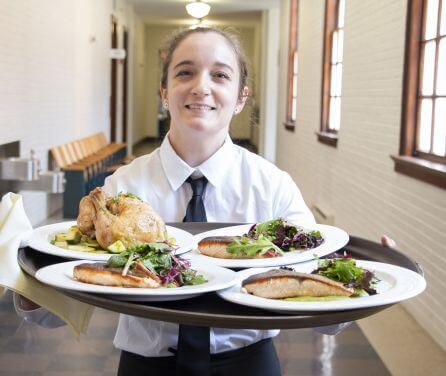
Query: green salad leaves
point(158, 259)
point(346, 271)
point(274, 238)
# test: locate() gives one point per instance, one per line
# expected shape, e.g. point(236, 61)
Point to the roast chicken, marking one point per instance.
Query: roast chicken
point(123, 217)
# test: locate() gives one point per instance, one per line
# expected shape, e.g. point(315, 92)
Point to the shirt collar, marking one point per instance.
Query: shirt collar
point(214, 168)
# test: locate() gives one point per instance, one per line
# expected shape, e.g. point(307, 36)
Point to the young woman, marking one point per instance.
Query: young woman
point(203, 86)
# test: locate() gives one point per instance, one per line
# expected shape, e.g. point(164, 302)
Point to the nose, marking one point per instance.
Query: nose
point(201, 87)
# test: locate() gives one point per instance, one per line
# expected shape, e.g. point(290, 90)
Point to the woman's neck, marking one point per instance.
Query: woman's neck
point(195, 149)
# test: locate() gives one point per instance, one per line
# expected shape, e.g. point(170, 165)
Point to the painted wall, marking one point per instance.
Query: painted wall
point(55, 78)
point(356, 182)
point(139, 78)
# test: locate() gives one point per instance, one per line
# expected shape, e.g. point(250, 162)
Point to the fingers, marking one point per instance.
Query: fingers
point(387, 242)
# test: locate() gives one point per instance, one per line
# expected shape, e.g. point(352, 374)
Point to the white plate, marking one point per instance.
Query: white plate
point(41, 237)
point(396, 284)
point(61, 276)
point(334, 239)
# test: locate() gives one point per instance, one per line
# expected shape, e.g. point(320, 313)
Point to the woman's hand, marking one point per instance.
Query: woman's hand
point(26, 304)
point(387, 242)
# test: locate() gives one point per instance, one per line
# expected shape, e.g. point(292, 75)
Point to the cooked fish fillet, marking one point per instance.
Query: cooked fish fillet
point(215, 246)
point(96, 273)
point(279, 283)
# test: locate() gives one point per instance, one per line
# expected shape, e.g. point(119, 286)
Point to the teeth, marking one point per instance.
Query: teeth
point(199, 107)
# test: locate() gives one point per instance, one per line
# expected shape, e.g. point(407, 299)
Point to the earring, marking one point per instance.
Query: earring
point(166, 105)
point(236, 111)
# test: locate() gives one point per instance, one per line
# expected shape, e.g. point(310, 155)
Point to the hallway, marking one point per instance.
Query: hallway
point(72, 69)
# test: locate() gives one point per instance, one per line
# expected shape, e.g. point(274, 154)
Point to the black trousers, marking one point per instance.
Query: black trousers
point(258, 359)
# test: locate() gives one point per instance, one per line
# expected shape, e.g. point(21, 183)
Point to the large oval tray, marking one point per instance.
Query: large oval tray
point(210, 310)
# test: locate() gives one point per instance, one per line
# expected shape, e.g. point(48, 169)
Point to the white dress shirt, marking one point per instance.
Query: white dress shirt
point(243, 187)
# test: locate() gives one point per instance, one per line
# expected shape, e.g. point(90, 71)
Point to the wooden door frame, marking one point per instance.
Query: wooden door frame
point(125, 38)
point(113, 80)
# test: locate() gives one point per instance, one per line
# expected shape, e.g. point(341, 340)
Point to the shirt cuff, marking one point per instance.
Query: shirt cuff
point(332, 329)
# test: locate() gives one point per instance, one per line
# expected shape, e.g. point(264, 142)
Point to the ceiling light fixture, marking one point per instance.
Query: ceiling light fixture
point(198, 9)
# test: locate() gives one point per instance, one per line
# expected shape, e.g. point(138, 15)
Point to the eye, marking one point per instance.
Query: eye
point(183, 73)
point(222, 76)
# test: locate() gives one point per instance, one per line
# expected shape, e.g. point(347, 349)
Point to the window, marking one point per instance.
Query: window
point(332, 71)
point(423, 129)
point(291, 107)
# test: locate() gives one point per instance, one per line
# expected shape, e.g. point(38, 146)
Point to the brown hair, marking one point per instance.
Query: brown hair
point(229, 34)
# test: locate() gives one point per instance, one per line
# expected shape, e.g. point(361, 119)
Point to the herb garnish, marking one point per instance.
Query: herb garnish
point(274, 237)
point(160, 260)
point(346, 271)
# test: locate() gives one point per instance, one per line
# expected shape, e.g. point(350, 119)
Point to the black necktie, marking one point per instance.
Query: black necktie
point(193, 356)
point(195, 209)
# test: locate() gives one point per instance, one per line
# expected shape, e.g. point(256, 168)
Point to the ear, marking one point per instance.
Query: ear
point(241, 101)
point(163, 92)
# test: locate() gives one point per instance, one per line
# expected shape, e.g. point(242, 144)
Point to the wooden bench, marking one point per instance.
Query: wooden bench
point(86, 163)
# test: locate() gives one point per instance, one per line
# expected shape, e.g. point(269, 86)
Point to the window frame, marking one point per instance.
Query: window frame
point(421, 166)
point(325, 134)
point(290, 123)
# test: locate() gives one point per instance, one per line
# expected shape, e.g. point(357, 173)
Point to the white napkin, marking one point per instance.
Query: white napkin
point(14, 227)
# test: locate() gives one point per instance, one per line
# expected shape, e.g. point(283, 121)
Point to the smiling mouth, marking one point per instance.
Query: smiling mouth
point(200, 107)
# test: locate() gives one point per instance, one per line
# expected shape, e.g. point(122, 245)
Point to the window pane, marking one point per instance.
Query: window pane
point(424, 137)
point(338, 113)
point(338, 80)
point(295, 63)
point(439, 146)
point(340, 45)
point(332, 117)
point(333, 78)
point(341, 13)
point(334, 48)
point(293, 109)
point(295, 86)
point(335, 113)
point(431, 20)
point(443, 18)
point(428, 68)
point(441, 72)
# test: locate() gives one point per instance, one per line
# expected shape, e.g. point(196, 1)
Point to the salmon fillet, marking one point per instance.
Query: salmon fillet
point(279, 283)
point(215, 246)
point(98, 274)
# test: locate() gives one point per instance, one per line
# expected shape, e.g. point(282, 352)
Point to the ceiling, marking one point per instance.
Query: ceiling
point(174, 11)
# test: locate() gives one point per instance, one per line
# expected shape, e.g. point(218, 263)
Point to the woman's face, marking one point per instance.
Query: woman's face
point(203, 85)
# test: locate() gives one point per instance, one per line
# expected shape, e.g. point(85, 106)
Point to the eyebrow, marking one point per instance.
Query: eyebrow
point(190, 62)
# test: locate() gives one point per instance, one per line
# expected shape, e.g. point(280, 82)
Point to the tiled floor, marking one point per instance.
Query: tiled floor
point(30, 350)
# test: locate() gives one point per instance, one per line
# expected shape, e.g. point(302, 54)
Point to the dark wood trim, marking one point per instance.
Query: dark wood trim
point(425, 167)
point(113, 80)
point(427, 171)
point(125, 35)
point(290, 125)
point(330, 25)
point(431, 157)
point(328, 138)
point(412, 73)
point(148, 139)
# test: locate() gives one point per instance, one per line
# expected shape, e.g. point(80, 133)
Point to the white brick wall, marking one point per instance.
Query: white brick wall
point(54, 79)
point(356, 181)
